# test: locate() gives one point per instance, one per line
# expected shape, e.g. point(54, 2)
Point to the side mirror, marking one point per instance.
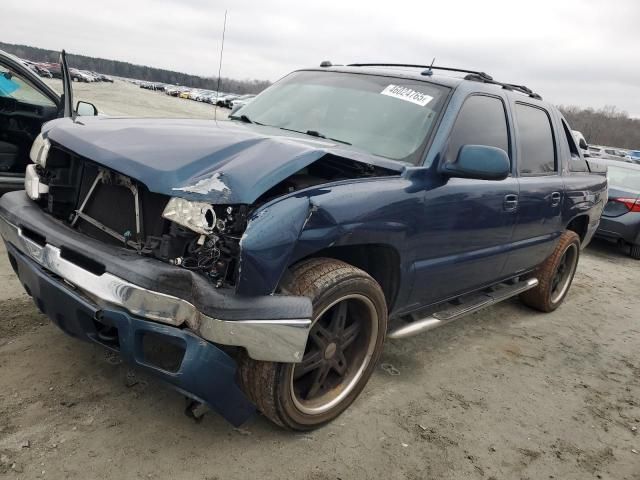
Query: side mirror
point(86, 109)
point(480, 162)
point(582, 144)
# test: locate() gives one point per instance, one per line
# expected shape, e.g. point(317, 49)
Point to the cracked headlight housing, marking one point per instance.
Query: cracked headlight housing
point(196, 216)
point(39, 151)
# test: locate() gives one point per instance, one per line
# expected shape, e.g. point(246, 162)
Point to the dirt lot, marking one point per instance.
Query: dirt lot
point(123, 98)
point(507, 393)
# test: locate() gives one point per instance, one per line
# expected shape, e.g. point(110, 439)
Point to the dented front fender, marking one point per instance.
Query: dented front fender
point(268, 242)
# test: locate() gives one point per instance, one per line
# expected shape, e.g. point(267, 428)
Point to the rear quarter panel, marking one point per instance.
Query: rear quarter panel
point(585, 192)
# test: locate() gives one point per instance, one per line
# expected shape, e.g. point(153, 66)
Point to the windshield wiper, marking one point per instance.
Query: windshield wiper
point(243, 118)
point(315, 133)
point(311, 133)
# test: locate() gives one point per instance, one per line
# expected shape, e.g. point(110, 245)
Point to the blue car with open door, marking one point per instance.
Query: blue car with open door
point(26, 103)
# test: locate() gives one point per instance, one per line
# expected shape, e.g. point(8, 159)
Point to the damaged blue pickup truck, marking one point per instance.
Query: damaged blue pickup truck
point(261, 262)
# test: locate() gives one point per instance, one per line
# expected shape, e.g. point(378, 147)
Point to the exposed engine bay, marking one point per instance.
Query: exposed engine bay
point(115, 209)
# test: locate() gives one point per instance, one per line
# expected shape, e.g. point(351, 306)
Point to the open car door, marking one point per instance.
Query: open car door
point(67, 90)
point(26, 103)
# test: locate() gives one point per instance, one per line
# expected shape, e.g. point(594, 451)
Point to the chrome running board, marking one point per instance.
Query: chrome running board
point(461, 308)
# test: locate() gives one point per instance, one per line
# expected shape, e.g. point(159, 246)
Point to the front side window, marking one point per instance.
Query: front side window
point(15, 86)
point(390, 117)
point(482, 121)
point(537, 154)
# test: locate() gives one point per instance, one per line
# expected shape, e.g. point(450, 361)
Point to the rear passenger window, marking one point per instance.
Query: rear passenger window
point(481, 121)
point(537, 154)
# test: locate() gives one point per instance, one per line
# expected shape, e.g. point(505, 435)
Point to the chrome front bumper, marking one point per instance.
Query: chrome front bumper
point(278, 340)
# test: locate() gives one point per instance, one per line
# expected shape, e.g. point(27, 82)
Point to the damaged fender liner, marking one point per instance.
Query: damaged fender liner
point(205, 373)
point(150, 273)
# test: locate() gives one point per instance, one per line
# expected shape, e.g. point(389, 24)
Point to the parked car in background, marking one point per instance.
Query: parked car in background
point(175, 90)
point(614, 151)
point(211, 98)
point(225, 100)
point(38, 69)
point(54, 69)
point(620, 220)
point(205, 95)
point(276, 251)
point(635, 155)
point(241, 101)
point(581, 142)
point(79, 76)
point(594, 151)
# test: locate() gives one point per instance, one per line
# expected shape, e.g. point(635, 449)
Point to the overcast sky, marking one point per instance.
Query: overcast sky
point(579, 52)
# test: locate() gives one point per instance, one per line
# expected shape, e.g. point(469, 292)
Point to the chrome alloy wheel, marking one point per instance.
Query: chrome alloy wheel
point(340, 348)
point(564, 273)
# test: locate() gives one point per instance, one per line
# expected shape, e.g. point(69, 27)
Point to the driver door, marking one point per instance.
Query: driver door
point(467, 226)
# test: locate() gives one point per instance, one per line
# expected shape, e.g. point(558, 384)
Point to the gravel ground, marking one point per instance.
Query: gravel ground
point(507, 393)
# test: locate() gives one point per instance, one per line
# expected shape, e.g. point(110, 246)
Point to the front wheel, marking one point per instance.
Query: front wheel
point(555, 275)
point(345, 343)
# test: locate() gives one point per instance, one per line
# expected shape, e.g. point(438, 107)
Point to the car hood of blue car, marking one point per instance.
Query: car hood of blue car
point(223, 162)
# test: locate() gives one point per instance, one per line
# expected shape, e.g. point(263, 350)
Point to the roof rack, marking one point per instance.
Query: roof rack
point(471, 75)
point(426, 72)
point(507, 86)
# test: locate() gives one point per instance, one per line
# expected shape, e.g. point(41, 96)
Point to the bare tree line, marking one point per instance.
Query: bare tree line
point(606, 126)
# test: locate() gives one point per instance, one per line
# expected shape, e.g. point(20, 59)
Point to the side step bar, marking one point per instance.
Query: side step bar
point(461, 308)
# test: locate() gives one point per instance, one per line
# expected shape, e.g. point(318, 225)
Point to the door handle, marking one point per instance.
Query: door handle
point(555, 199)
point(510, 203)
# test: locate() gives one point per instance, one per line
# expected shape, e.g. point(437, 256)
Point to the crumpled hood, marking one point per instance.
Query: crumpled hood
point(217, 162)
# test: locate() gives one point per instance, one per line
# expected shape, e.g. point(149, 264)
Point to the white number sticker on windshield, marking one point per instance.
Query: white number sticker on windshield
point(407, 94)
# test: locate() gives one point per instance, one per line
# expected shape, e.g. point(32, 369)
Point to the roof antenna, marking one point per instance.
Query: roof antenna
point(224, 29)
point(428, 72)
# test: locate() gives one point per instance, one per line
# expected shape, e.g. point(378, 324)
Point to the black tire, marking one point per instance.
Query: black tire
point(635, 251)
point(555, 275)
point(296, 398)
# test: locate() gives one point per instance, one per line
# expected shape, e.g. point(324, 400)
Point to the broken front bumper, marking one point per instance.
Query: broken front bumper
point(202, 371)
point(271, 328)
point(114, 297)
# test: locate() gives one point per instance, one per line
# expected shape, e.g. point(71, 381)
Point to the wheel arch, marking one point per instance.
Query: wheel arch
point(580, 225)
point(380, 261)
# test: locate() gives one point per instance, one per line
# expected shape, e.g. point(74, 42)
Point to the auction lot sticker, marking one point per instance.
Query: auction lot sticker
point(407, 94)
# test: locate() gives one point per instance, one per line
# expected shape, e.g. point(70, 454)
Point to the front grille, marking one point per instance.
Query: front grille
point(108, 207)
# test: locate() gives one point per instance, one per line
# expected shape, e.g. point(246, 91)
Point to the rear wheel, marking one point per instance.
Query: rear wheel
point(635, 252)
point(345, 342)
point(555, 275)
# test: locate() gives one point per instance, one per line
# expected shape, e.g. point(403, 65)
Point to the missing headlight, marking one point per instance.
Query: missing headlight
point(214, 255)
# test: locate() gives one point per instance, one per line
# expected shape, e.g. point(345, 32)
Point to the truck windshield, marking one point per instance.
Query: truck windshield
point(390, 117)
